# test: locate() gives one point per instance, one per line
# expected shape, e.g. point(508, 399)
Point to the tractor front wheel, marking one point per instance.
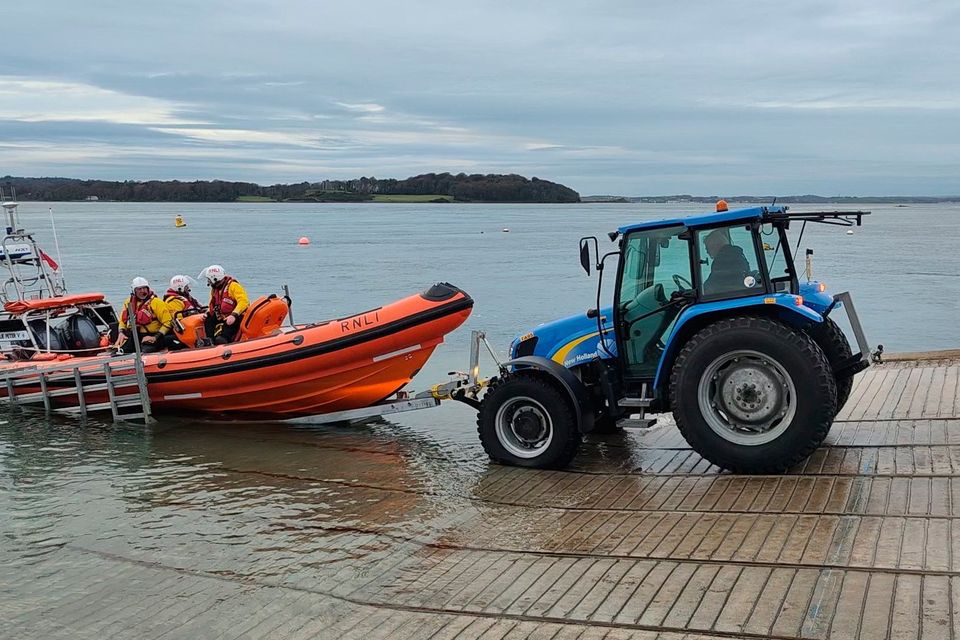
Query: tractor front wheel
point(528, 422)
point(753, 395)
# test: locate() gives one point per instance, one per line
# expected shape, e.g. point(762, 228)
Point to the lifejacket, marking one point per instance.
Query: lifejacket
point(189, 302)
point(141, 310)
point(222, 305)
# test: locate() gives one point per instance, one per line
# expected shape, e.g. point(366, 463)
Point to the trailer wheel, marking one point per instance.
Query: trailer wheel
point(753, 395)
point(835, 345)
point(527, 422)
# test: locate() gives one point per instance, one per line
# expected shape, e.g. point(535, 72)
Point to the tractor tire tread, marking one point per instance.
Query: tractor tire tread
point(835, 345)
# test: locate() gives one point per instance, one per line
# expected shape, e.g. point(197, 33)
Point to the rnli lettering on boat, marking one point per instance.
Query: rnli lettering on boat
point(360, 322)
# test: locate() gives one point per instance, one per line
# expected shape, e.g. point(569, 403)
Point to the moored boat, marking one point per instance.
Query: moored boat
point(38, 319)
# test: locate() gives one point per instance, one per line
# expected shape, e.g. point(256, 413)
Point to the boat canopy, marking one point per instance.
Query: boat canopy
point(22, 306)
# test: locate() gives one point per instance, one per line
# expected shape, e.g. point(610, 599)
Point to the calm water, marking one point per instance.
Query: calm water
point(269, 500)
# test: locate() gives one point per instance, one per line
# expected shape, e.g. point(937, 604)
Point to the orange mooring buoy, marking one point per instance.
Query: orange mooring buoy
point(303, 240)
point(721, 205)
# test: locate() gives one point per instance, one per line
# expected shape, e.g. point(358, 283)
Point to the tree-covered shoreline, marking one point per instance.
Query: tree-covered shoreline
point(430, 187)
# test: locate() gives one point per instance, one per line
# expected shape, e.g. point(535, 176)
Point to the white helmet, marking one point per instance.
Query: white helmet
point(139, 282)
point(180, 283)
point(214, 274)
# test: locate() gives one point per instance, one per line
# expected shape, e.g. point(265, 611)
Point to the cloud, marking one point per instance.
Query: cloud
point(542, 146)
point(847, 103)
point(253, 137)
point(362, 107)
point(33, 100)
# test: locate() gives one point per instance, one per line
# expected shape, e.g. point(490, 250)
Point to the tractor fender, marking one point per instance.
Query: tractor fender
point(566, 380)
point(780, 306)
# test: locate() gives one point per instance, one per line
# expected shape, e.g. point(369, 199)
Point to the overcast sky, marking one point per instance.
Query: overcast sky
point(626, 97)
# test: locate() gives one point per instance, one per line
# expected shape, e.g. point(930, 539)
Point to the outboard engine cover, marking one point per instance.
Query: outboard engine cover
point(82, 333)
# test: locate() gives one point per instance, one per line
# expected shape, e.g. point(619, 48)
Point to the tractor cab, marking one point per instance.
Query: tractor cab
point(711, 321)
point(669, 266)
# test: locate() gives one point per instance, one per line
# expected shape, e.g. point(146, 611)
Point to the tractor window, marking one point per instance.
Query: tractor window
point(775, 248)
point(729, 266)
point(634, 269)
point(656, 265)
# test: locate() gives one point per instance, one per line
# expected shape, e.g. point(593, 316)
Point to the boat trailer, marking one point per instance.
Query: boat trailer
point(465, 387)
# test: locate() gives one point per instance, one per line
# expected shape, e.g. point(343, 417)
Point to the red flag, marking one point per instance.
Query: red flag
point(50, 261)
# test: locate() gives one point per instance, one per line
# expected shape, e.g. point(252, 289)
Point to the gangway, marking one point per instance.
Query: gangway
point(114, 383)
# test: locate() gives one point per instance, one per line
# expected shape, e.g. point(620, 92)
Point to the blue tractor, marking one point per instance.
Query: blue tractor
point(711, 321)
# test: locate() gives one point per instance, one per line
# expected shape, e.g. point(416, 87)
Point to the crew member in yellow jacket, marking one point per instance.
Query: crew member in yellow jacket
point(151, 316)
point(181, 304)
point(228, 301)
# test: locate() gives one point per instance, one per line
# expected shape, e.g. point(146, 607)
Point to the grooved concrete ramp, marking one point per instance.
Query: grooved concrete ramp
point(640, 539)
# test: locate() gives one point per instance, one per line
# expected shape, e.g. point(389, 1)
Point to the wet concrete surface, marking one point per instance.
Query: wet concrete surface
point(404, 530)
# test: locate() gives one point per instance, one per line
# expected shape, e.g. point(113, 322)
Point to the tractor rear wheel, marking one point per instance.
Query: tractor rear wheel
point(527, 422)
point(835, 345)
point(753, 395)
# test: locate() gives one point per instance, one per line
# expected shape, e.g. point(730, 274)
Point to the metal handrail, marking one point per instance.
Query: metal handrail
point(49, 283)
point(138, 363)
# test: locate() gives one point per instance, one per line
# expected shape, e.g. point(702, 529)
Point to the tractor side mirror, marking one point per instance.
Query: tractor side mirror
point(585, 252)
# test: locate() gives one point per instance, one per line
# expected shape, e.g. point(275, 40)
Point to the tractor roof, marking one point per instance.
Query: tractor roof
point(707, 219)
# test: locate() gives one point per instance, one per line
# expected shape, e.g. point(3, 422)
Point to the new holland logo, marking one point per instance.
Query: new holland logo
point(608, 346)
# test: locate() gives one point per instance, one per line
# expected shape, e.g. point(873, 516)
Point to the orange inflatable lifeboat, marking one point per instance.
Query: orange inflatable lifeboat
point(276, 372)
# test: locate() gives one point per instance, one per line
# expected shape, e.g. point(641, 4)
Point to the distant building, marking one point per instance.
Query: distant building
point(91, 198)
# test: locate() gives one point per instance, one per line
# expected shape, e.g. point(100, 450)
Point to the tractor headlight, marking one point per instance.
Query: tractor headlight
point(524, 345)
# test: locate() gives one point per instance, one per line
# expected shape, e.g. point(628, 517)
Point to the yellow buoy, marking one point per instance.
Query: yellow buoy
point(179, 222)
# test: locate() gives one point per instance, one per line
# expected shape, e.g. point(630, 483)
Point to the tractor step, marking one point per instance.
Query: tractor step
point(644, 400)
point(634, 402)
point(634, 423)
